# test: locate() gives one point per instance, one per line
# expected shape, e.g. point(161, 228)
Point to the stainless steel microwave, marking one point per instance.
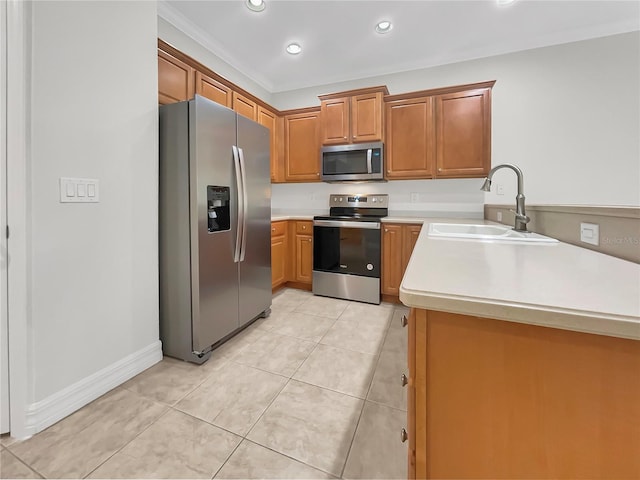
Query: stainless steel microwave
point(358, 161)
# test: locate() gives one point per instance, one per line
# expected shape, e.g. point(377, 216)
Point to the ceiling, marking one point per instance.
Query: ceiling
point(339, 41)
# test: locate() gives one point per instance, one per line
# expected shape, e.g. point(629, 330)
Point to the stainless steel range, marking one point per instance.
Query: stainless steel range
point(346, 248)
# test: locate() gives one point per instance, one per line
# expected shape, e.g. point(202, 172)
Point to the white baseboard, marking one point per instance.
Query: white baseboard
point(54, 408)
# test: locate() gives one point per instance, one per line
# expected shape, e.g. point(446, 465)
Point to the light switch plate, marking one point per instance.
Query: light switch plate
point(79, 190)
point(590, 233)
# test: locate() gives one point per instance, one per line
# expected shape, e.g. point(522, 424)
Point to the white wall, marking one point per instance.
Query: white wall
point(94, 267)
point(441, 198)
point(568, 115)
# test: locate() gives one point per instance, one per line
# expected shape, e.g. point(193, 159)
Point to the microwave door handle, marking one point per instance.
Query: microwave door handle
point(369, 160)
point(240, 214)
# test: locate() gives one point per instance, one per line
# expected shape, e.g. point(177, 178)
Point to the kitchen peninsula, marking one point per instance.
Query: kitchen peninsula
point(524, 361)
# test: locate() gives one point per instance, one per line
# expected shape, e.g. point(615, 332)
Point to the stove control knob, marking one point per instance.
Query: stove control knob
point(369, 267)
point(340, 198)
point(374, 200)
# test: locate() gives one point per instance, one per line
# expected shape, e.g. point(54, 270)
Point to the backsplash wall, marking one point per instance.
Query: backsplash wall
point(460, 198)
point(619, 227)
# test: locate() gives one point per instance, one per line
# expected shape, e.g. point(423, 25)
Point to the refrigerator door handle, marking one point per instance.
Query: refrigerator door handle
point(245, 203)
point(241, 207)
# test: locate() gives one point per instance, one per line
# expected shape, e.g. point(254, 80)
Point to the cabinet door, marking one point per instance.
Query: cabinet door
point(175, 79)
point(335, 121)
point(302, 147)
point(366, 117)
point(410, 235)
point(278, 256)
point(464, 133)
point(245, 106)
point(213, 90)
point(391, 259)
point(304, 258)
point(410, 142)
point(269, 119)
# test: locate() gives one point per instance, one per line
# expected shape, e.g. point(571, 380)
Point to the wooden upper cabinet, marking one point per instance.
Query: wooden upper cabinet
point(366, 117)
point(269, 119)
point(335, 120)
point(175, 79)
point(302, 146)
point(245, 106)
point(213, 89)
point(353, 116)
point(463, 145)
point(410, 138)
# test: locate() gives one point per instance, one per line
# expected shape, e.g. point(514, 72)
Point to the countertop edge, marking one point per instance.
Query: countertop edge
point(580, 321)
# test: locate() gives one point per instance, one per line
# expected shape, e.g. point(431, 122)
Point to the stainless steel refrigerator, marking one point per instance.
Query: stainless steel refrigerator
point(215, 216)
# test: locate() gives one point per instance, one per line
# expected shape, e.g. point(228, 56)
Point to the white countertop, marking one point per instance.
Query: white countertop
point(556, 285)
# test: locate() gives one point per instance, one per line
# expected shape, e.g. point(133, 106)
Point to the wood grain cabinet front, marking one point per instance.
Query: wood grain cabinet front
point(499, 399)
point(269, 119)
point(352, 117)
point(398, 241)
point(213, 90)
point(175, 79)
point(410, 138)
point(279, 253)
point(302, 146)
point(304, 252)
point(245, 106)
point(463, 145)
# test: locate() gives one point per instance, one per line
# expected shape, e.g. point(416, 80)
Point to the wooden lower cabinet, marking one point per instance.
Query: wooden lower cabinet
point(398, 241)
point(498, 399)
point(279, 253)
point(304, 252)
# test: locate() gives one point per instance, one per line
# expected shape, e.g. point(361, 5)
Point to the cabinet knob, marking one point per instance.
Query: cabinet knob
point(304, 227)
point(309, 240)
point(354, 136)
point(403, 435)
point(388, 171)
point(403, 321)
point(386, 230)
point(273, 229)
point(404, 380)
point(318, 174)
point(439, 169)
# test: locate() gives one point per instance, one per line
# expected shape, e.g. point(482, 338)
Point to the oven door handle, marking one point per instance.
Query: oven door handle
point(347, 224)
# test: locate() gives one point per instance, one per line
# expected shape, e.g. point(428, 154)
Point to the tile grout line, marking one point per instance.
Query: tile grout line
point(23, 462)
point(364, 403)
point(132, 439)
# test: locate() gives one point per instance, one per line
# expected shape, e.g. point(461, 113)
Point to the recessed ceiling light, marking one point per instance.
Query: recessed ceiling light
point(255, 5)
point(294, 48)
point(383, 26)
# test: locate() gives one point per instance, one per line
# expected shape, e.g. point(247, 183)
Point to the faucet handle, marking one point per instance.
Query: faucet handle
point(519, 216)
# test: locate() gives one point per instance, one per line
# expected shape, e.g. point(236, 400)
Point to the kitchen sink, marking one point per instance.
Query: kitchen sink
point(485, 232)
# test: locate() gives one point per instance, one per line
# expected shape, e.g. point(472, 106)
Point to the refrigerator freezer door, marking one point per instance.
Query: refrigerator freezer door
point(214, 274)
point(255, 268)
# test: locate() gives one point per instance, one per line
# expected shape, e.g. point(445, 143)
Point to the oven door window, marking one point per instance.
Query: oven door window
point(346, 250)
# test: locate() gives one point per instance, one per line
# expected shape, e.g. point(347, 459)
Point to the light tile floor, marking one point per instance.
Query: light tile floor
point(313, 391)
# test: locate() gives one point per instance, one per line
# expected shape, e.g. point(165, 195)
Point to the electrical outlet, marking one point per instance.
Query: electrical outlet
point(415, 197)
point(590, 233)
point(499, 189)
point(499, 216)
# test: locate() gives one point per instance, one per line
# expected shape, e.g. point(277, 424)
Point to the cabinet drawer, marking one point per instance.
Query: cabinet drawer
point(304, 227)
point(278, 228)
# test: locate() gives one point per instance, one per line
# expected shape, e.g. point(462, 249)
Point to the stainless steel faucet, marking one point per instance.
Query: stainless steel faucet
point(521, 216)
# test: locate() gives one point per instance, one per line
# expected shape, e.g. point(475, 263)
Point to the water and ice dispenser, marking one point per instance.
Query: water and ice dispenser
point(218, 208)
